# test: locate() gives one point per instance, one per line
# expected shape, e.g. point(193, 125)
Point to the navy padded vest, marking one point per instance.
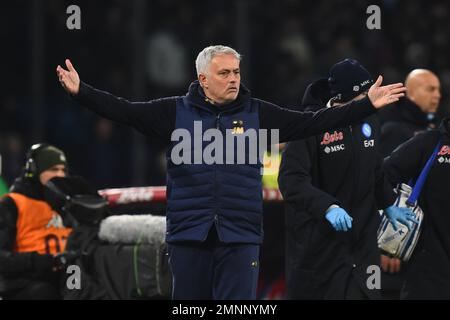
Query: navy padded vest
point(228, 196)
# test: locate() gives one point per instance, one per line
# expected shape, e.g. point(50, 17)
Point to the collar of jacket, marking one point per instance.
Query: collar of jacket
point(444, 127)
point(413, 113)
point(28, 187)
point(196, 96)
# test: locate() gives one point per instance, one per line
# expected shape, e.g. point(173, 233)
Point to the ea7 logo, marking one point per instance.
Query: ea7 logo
point(335, 148)
point(369, 143)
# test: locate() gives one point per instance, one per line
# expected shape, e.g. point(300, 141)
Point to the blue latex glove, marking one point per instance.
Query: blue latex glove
point(402, 215)
point(339, 219)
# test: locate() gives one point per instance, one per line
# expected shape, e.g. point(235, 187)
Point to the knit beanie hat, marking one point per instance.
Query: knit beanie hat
point(47, 157)
point(348, 79)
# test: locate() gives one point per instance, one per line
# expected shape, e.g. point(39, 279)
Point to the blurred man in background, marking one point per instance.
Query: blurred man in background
point(401, 122)
point(411, 115)
point(31, 233)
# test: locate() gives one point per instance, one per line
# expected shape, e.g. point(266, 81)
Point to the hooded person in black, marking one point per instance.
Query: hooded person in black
point(428, 272)
point(337, 173)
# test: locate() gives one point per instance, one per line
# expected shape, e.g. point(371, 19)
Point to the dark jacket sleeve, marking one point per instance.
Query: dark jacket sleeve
point(384, 193)
point(407, 160)
point(153, 118)
point(14, 264)
point(10, 263)
point(8, 220)
point(295, 125)
point(294, 180)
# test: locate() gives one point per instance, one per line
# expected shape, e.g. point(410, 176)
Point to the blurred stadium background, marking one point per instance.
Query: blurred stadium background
point(146, 49)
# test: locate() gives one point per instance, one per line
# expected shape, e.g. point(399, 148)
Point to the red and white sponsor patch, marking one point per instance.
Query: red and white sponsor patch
point(333, 137)
point(444, 150)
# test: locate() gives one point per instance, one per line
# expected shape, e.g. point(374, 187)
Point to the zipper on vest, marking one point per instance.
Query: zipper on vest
point(216, 200)
point(217, 120)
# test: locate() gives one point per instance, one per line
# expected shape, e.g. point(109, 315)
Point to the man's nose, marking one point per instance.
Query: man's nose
point(438, 94)
point(233, 77)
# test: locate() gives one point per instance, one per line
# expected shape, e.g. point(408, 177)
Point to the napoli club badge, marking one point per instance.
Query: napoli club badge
point(366, 130)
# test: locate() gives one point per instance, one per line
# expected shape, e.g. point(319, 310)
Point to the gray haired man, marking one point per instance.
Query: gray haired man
point(214, 209)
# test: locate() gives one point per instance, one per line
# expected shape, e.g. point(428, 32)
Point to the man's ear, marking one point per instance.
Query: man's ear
point(203, 81)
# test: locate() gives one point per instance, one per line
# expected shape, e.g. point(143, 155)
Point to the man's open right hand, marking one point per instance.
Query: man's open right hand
point(69, 79)
point(381, 96)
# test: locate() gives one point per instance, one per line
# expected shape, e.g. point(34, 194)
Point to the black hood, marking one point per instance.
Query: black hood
point(316, 96)
point(31, 188)
point(197, 97)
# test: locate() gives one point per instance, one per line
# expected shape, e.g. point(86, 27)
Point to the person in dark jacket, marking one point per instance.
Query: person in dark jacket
point(333, 182)
point(428, 272)
point(32, 234)
point(416, 113)
point(214, 192)
point(399, 123)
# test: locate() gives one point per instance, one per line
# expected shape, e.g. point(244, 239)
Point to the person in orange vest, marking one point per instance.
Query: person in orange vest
point(32, 234)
